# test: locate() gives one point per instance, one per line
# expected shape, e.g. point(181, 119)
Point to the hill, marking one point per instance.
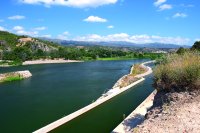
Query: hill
point(9, 42)
point(117, 44)
point(22, 48)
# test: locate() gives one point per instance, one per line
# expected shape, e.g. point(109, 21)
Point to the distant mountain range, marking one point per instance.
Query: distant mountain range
point(117, 44)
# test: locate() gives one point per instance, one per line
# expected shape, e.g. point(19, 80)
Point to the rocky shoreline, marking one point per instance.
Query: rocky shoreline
point(18, 75)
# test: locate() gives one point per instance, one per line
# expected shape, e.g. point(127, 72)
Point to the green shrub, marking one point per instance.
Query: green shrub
point(178, 72)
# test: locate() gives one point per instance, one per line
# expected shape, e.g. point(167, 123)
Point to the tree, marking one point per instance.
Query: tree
point(196, 46)
point(181, 50)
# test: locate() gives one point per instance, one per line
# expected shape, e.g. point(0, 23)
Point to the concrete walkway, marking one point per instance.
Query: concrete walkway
point(136, 117)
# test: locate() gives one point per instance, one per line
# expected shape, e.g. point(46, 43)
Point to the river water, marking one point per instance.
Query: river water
point(56, 90)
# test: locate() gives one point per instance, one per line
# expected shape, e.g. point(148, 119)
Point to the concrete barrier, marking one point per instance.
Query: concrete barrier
point(136, 117)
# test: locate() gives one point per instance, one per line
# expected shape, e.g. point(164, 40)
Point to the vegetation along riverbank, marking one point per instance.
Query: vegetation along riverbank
point(16, 49)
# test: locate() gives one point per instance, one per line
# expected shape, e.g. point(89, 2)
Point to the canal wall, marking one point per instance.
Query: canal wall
point(136, 117)
point(110, 94)
point(22, 74)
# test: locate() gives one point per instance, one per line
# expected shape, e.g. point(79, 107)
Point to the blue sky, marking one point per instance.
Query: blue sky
point(138, 21)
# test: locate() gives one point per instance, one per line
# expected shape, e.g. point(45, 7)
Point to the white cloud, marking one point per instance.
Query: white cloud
point(140, 39)
point(1, 20)
point(165, 7)
point(110, 27)
point(29, 33)
point(40, 28)
point(71, 3)
point(16, 17)
point(66, 33)
point(18, 28)
point(2, 28)
point(180, 15)
point(47, 36)
point(197, 39)
point(63, 36)
point(159, 2)
point(95, 19)
point(21, 31)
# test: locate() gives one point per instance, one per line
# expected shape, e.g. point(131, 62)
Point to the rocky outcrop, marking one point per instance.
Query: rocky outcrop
point(24, 74)
point(20, 74)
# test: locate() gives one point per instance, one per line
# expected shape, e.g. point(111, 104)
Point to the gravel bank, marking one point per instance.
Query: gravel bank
point(172, 113)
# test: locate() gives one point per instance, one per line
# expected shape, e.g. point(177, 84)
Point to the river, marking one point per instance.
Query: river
point(56, 90)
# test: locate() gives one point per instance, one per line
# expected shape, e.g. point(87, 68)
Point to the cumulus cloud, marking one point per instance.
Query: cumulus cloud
point(159, 2)
point(29, 33)
point(110, 27)
point(2, 28)
point(180, 15)
point(161, 5)
point(16, 17)
point(40, 28)
point(165, 7)
point(71, 3)
point(139, 39)
point(95, 19)
point(17, 28)
point(21, 31)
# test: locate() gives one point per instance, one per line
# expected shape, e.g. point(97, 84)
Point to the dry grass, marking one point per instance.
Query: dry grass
point(178, 72)
point(138, 69)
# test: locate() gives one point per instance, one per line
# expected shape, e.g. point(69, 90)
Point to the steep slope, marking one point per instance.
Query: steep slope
point(9, 41)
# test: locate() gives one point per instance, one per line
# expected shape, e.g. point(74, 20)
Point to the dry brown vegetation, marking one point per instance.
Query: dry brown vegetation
point(178, 72)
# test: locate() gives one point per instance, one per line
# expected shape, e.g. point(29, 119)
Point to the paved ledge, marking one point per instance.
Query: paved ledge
point(136, 117)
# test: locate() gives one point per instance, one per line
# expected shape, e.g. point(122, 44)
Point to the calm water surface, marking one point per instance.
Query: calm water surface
point(56, 90)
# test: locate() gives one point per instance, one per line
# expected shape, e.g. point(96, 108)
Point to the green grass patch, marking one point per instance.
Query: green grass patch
point(12, 78)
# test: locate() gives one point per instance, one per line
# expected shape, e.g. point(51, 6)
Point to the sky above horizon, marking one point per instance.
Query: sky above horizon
point(137, 21)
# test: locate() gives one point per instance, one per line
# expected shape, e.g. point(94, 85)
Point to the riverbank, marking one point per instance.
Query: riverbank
point(4, 63)
point(172, 112)
point(48, 61)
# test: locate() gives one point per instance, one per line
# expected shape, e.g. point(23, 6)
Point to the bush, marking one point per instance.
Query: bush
point(178, 72)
